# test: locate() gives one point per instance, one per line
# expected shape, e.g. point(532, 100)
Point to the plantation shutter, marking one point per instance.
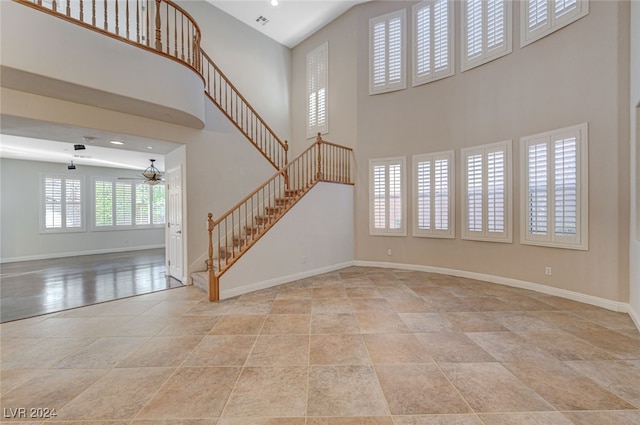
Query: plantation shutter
point(123, 204)
point(486, 31)
point(53, 203)
point(159, 194)
point(432, 39)
point(542, 17)
point(317, 91)
point(565, 187)
point(487, 185)
point(424, 195)
point(441, 189)
point(387, 196)
point(537, 200)
point(143, 204)
point(104, 203)
point(495, 24)
point(474, 28)
point(387, 56)
point(73, 203)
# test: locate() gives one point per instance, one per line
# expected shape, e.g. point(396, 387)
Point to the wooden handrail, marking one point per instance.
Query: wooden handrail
point(244, 224)
point(236, 107)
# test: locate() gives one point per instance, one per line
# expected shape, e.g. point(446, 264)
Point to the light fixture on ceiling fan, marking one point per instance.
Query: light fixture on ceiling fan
point(152, 176)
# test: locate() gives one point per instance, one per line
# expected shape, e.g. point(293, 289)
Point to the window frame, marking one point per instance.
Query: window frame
point(581, 240)
point(388, 86)
point(433, 74)
point(63, 202)
point(320, 57)
point(132, 206)
point(387, 231)
point(553, 22)
point(486, 55)
point(485, 235)
point(450, 232)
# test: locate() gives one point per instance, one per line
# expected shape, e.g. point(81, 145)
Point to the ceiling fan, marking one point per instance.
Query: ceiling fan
point(152, 175)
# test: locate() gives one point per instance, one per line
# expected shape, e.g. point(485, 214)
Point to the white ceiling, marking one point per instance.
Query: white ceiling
point(43, 141)
point(291, 21)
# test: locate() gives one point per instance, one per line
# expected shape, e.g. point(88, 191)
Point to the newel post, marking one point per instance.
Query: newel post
point(319, 172)
point(214, 286)
point(286, 163)
point(158, 27)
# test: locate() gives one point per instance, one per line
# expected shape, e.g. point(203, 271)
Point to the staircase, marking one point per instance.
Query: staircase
point(170, 31)
point(240, 228)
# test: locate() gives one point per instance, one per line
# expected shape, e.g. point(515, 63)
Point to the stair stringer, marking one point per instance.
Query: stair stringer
point(315, 236)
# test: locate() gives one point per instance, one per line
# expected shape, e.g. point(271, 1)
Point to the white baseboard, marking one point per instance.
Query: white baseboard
point(245, 289)
point(635, 316)
point(78, 253)
point(544, 289)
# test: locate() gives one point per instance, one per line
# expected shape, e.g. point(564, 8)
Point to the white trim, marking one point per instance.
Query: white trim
point(234, 292)
point(485, 54)
point(634, 316)
point(78, 253)
point(516, 283)
point(386, 162)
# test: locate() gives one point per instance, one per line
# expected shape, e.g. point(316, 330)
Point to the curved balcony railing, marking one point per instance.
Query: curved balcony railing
point(164, 27)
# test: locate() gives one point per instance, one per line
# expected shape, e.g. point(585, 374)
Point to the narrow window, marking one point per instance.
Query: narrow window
point(486, 31)
point(387, 56)
point(432, 41)
point(486, 176)
point(554, 184)
point(433, 195)
point(62, 204)
point(387, 199)
point(317, 91)
point(539, 18)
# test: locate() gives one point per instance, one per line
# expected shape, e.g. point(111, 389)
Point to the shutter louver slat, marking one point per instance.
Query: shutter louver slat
point(395, 197)
point(379, 54)
point(474, 28)
point(538, 13)
point(495, 24)
point(395, 50)
point(564, 6)
point(123, 204)
point(73, 203)
point(53, 203)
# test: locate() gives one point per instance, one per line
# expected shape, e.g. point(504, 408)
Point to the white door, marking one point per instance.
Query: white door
point(174, 222)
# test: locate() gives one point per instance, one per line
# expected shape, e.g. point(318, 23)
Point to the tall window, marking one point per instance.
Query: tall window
point(432, 41)
point(387, 197)
point(317, 90)
point(125, 205)
point(539, 18)
point(433, 185)
point(486, 31)
point(62, 202)
point(387, 56)
point(555, 188)
point(487, 192)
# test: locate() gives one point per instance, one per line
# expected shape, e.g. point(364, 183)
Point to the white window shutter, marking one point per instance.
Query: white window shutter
point(387, 197)
point(554, 211)
point(486, 31)
point(317, 91)
point(433, 41)
point(387, 56)
point(433, 195)
point(487, 192)
point(539, 18)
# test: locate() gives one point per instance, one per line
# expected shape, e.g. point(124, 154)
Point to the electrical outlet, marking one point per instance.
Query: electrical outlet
point(547, 271)
point(389, 251)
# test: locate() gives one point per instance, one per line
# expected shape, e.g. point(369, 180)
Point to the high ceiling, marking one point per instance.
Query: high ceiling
point(291, 21)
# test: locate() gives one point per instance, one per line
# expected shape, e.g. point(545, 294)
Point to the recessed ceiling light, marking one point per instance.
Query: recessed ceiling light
point(149, 147)
point(116, 142)
point(274, 2)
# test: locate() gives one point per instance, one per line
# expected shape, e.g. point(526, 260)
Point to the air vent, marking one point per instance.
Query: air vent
point(262, 20)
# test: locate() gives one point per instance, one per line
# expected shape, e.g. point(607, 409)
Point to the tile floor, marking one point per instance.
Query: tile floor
point(359, 346)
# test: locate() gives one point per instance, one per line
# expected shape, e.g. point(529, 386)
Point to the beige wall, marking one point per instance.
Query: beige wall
point(579, 74)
